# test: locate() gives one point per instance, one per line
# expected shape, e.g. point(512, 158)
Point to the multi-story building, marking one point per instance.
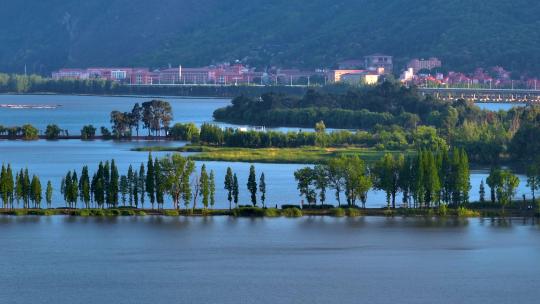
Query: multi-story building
point(336, 75)
point(70, 74)
point(362, 78)
point(124, 75)
point(379, 61)
point(422, 64)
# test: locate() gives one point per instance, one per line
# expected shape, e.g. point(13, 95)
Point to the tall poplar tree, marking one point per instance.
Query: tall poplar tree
point(204, 187)
point(252, 185)
point(262, 189)
point(228, 185)
point(49, 194)
point(141, 182)
point(236, 190)
point(134, 189)
point(482, 192)
point(158, 182)
point(36, 194)
point(124, 188)
point(84, 187)
point(130, 181)
point(114, 185)
point(150, 180)
point(212, 188)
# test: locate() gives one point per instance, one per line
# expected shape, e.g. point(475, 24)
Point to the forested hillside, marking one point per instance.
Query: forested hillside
point(46, 35)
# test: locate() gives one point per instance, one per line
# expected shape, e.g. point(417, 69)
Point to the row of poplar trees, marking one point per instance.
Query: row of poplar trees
point(22, 188)
point(425, 179)
point(173, 175)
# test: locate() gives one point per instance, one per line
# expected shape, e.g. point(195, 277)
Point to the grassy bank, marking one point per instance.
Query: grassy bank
point(303, 155)
point(285, 211)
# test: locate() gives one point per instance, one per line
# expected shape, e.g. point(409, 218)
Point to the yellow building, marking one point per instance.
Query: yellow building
point(336, 75)
point(363, 78)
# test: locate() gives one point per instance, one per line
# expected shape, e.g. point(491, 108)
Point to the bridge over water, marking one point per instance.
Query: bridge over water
point(485, 95)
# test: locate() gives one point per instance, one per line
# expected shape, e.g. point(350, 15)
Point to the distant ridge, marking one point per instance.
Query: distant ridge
point(46, 35)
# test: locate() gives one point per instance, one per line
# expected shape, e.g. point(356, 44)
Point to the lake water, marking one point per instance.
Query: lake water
point(52, 160)
point(226, 260)
point(307, 260)
point(73, 112)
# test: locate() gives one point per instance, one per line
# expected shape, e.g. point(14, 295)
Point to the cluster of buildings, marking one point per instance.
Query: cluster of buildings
point(223, 74)
point(366, 71)
point(370, 70)
point(220, 74)
point(425, 73)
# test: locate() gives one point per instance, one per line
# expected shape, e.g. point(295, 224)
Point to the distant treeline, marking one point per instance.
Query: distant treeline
point(488, 137)
point(381, 138)
point(386, 104)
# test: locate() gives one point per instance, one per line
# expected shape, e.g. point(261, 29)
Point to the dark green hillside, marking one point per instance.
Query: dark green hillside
point(465, 34)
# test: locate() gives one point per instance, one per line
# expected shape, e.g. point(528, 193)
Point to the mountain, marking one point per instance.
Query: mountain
point(465, 34)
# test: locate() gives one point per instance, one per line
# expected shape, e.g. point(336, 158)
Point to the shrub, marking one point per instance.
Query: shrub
point(18, 212)
point(249, 211)
point(112, 212)
point(353, 212)
point(170, 213)
point(411, 211)
point(316, 207)
point(127, 212)
point(45, 212)
point(464, 212)
point(140, 213)
point(271, 212)
point(388, 212)
point(81, 212)
point(292, 212)
point(97, 212)
point(290, 206)
point(337, 212)
point(443, 210)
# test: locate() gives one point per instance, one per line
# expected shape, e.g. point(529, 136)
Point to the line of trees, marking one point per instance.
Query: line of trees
point(382, 138)
point(426, 179)
point(26, 132)
point(173, 175)
point(154, 115)
point(22, 187)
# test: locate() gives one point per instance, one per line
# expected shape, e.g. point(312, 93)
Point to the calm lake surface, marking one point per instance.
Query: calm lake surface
point(307, 260)
point(52, 160)
point(236, 260)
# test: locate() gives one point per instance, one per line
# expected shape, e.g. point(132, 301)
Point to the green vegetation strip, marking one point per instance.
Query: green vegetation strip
point(273, 212)
point(303, 155)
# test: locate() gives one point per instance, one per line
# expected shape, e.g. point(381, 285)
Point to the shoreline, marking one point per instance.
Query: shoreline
point(291, 212)
point(142, 96)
